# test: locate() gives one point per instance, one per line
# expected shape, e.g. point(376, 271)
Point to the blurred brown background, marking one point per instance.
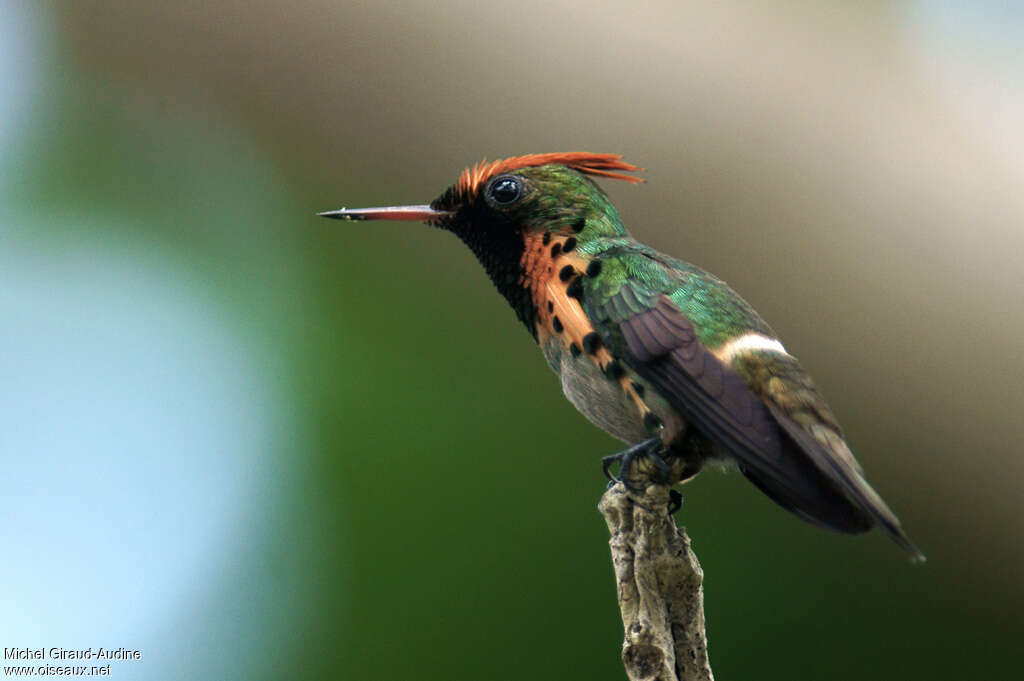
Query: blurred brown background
point(425, 504)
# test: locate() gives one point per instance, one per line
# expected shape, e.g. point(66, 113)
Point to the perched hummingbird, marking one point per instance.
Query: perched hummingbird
point(655, 351)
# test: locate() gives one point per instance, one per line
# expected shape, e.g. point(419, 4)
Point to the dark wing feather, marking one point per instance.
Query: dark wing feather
point(661, 345)
point(830, 455)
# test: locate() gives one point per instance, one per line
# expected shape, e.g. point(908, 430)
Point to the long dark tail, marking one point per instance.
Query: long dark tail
point(830, 494)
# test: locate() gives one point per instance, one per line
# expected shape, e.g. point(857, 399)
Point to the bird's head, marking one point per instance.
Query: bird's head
point(499, 207)
point(513, 197)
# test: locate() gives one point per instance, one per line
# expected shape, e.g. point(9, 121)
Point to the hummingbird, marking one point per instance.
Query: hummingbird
point(654, 350)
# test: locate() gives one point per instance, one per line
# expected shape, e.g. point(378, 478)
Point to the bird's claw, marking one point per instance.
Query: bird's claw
point(651, 448)
point(675, 501)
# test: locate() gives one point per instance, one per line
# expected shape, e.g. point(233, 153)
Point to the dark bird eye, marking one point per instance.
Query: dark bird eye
point(505, 190)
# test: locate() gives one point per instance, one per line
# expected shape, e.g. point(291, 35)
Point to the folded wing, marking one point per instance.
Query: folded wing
point(805, 467)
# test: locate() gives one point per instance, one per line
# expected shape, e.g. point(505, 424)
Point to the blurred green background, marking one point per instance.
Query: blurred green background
point(258, 445)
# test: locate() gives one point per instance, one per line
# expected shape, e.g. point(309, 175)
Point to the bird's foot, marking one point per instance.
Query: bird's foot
point(675, 501)
point(649, 450)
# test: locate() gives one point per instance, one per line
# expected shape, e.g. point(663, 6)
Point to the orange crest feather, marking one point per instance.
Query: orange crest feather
point(602, 165)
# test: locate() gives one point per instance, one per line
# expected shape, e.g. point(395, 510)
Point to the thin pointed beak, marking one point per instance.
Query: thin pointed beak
point(406, 213)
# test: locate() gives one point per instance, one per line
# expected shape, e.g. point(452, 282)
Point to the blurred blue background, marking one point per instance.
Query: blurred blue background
point(255, 444)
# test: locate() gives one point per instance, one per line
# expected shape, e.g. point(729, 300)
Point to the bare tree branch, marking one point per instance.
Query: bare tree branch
point(660, 588)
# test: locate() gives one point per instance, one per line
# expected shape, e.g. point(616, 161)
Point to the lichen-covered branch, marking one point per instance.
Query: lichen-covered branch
point(660, 587)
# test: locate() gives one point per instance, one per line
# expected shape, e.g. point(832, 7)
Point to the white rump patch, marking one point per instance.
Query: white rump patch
point(747, 343)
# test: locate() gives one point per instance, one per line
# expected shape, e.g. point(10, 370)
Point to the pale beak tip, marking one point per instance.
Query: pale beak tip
point(423, 213)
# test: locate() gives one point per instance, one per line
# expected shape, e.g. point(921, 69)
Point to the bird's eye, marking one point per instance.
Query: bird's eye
point(505, 190)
